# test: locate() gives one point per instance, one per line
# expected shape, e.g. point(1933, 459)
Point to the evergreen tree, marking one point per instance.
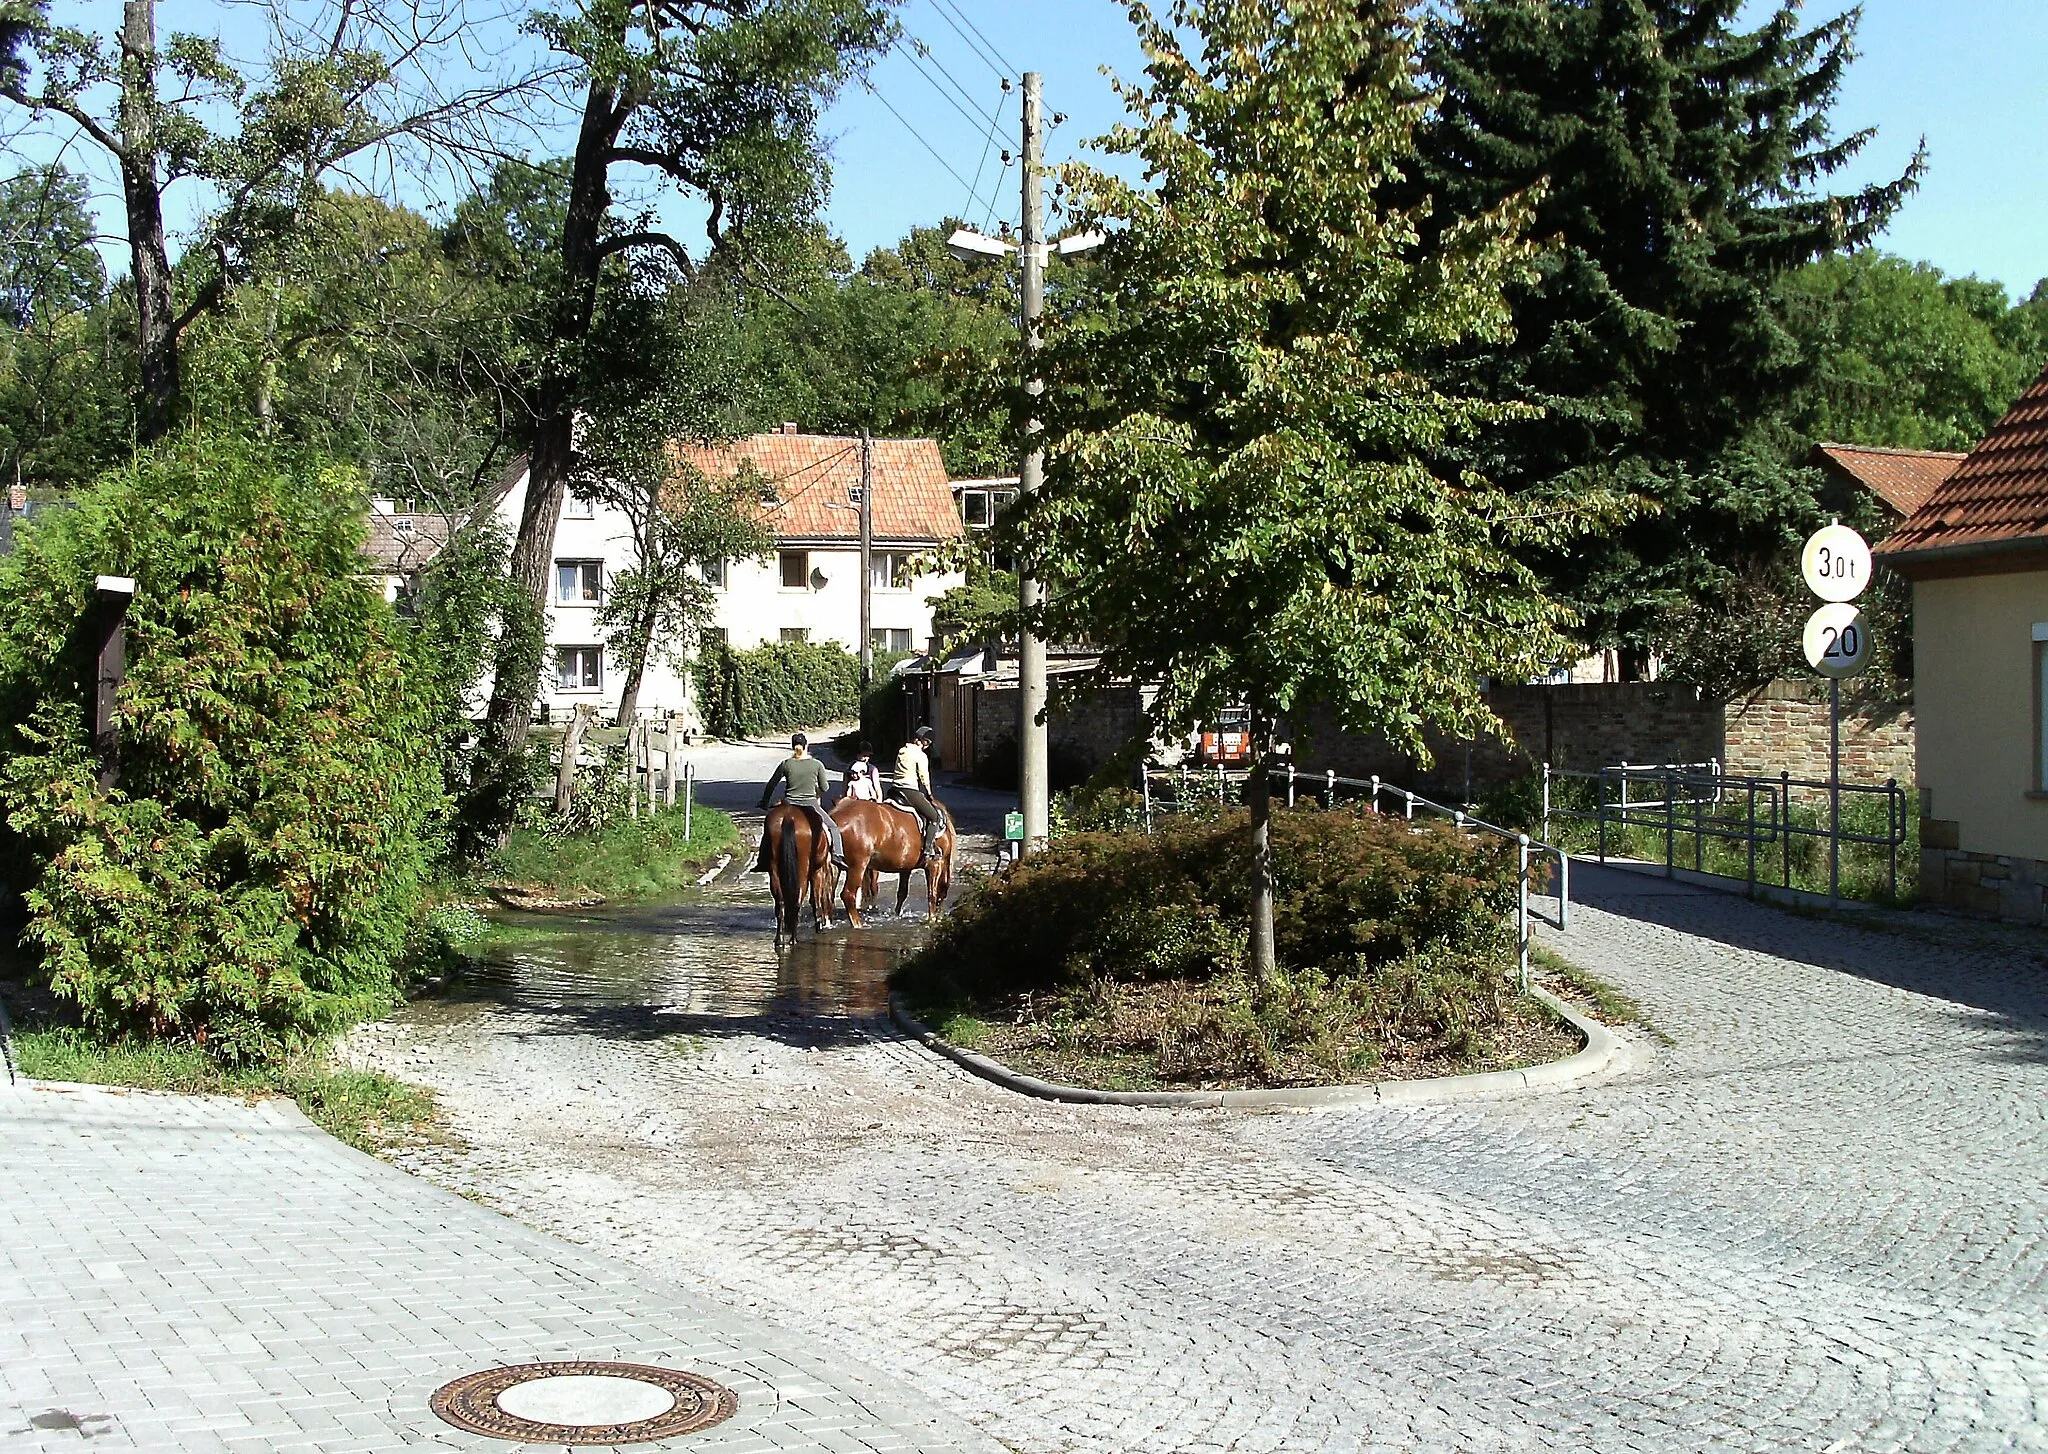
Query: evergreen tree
point(1677, 155)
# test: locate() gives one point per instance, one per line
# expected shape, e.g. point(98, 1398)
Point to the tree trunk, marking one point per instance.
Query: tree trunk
point(642, 642)
point(520, 651)
point(156, 333)
point(1259, 795)
point(572, 744)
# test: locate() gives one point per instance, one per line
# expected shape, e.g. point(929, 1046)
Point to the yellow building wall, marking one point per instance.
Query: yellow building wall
point(1975, 692)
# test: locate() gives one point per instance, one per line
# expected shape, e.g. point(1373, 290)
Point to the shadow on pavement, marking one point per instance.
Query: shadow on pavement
point(1936, 958)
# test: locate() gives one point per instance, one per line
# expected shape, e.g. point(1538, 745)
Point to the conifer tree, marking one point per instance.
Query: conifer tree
point(1681, 156)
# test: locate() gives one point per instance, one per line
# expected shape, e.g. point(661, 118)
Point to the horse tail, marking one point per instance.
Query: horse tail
point(792, 880)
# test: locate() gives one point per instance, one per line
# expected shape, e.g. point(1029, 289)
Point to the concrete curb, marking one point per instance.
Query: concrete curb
point(1605, 1054)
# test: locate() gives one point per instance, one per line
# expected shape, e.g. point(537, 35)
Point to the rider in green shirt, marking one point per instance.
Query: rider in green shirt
point(803, 782)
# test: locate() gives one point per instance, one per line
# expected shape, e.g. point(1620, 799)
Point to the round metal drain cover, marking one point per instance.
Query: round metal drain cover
point(584, 1403)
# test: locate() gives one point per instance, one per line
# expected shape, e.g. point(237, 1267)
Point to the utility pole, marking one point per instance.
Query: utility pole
point(1033, 789)
point(867, 560)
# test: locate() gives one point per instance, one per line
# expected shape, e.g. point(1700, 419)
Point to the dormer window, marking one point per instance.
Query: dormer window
point(578, 507)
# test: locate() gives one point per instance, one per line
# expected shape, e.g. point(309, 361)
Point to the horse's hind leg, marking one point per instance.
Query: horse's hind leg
point(856, 877)
point(902, 891)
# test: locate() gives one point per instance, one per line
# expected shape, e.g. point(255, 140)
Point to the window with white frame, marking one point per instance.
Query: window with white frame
point(579, 668)
point(889, 639)
point(889, 570)
point(974, 508)
point(579, 582)
point(796, 570)
point(713, 572)
point(578, 507)
point(796, 633)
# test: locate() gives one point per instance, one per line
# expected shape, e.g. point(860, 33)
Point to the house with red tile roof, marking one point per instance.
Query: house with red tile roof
point(808, 590)
point(1901, 478)
point(1976, 551)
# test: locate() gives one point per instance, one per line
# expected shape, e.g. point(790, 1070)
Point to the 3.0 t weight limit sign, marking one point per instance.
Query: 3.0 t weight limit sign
point(1836, 563)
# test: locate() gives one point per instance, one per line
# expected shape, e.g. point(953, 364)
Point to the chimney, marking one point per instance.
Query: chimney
point(789, 427)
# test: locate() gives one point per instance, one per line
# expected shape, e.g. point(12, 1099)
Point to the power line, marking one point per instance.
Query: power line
point(920, 54)
point(876, 93)
point(988, 143)
point(978, 43)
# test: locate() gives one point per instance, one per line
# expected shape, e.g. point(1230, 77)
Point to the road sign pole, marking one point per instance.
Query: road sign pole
point(1834, 790)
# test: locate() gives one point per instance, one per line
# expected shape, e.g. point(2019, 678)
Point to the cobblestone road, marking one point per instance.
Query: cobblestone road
point(1814, 1222)
point(200, 1275)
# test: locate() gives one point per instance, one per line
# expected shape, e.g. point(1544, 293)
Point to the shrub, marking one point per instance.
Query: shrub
point(256, 876)
point(777, 687)
point(1390, 935)
point(1353, 890)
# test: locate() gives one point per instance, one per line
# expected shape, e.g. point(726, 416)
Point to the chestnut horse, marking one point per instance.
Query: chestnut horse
point(881, 838)
point(799, 856)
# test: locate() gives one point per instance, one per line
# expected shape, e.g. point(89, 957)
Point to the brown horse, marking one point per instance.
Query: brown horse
point(879, 839)
point(799, 856)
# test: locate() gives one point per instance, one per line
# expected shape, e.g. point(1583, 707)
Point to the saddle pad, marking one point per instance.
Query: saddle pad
point(899, 807)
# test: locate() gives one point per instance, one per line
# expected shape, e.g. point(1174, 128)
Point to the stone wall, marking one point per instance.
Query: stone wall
point(1982, 883)
point(1089, 726)
point(1576, 725)
point(1784, 728)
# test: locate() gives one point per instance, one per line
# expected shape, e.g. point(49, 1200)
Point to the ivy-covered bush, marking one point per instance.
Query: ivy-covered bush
point(776, 688)
point(256, 874)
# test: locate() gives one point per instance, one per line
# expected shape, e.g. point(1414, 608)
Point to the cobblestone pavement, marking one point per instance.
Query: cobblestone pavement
point(202, 1275)
point(1814, 1222)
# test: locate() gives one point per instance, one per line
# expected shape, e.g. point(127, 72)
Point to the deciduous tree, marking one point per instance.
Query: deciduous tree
point(1241, 505)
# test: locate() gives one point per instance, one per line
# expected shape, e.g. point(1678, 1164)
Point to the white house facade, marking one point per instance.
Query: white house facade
point(809, 590)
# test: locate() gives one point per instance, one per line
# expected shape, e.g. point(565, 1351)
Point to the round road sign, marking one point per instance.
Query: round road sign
point(1837, 640)
point(1836, 563)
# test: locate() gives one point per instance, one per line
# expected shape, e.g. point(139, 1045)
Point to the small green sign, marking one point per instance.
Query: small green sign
point(1013, 827)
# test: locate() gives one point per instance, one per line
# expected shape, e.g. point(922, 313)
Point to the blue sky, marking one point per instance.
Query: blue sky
point(1966, 74)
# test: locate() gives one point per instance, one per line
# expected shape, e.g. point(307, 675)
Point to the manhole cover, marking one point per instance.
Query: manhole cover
point(583, 1403)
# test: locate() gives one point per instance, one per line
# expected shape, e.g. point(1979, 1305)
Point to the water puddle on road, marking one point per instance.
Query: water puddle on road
point(708, 955)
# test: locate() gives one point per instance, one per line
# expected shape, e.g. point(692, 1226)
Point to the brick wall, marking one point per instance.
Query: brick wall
point(1580, 725)
point(1784, 728)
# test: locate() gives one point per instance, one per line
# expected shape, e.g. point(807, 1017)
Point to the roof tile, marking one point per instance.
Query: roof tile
point(1902, 478)
point(913, 498)
point(1998, 493)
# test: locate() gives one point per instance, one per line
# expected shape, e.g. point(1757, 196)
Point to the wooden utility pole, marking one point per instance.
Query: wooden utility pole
point(1033, 789)
point(867, 560)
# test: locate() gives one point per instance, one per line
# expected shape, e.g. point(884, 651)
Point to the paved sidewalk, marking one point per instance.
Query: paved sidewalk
point(206, 1275)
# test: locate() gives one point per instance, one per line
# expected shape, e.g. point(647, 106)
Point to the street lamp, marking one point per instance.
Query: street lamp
point(1034, 789)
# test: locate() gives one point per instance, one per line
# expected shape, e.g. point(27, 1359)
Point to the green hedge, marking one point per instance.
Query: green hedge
point(776, 688)
point(256, 878)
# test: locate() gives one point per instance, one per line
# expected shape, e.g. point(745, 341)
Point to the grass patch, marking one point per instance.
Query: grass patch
point(369, 1111)
point(1609, 1004)
point(648, 857)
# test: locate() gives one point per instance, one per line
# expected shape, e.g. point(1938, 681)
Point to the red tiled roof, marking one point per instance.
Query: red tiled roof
point(913, 498)
point(1997, 496)
point(401, 544)
point(1902, 478)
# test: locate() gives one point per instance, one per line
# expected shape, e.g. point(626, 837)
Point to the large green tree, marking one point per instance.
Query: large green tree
point(912, 341)
point(1241, 505)
point(720, 102)
point(1681, 154)
point(1904, 357)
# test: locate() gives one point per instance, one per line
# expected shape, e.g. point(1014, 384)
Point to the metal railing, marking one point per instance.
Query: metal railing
point(1685, 802)
point(1328, 789)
